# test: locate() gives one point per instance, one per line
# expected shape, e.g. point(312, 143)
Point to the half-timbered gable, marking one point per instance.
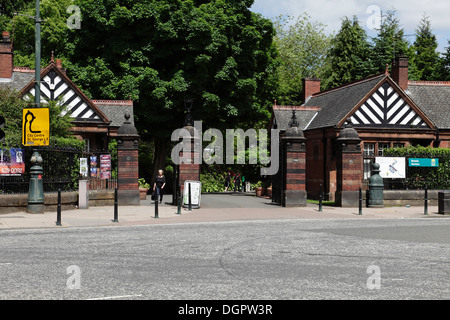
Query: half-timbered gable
point(56, 86)
point(388, 107)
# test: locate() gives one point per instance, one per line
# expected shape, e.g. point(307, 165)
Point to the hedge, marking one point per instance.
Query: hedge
point(419, 177)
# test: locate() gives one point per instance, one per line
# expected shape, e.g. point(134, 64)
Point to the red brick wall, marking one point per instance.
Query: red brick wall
point(6, 59)
point(128, 169)
point(189, 171)
point(351, 171)
point(295, 171)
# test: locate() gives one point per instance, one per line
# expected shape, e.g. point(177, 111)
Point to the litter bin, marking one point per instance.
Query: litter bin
point(444, 202)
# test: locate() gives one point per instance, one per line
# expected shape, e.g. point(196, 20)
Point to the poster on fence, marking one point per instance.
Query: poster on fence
point(93, 166)
point(392, 168)
point(83, 167)
point(105, 166)
point(12, 162)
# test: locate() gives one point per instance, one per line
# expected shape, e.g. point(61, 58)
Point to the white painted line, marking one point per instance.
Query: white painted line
point(117, 297)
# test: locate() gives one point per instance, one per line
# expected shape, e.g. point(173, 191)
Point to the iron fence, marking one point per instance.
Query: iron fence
point(60, 171)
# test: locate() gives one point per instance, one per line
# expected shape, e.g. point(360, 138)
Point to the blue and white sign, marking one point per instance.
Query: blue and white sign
point(424, 162)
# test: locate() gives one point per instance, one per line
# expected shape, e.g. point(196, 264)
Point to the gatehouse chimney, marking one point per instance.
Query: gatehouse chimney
point(310, 87)
point(6, 56)
point(400, 71)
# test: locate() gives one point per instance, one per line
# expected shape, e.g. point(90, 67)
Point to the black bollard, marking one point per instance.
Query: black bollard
point(189, 198)
point(58, 209)
point(426, 201)
point(360, 201)
point(116, 209)
point(156, 207)
point(320, 198)
point(179, 200)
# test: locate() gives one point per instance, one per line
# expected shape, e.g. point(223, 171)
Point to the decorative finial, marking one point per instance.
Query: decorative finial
point(127, 118)
point(387, 69)
point(293, 122)
point(348, 123)
point(53, 57)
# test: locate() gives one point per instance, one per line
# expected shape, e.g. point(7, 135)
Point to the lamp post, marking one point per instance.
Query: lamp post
point(36, 189)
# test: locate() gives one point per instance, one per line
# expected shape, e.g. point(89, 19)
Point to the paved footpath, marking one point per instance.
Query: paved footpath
point(214, 209)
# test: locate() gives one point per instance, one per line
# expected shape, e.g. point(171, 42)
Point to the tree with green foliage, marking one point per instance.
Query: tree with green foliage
point(443, 71)
point(349, 56)
point(302, 46)
point(11, 109)
point(390, 42)
point(54, 31)
point(8, 8)
point(159, 53)
point(426, 56)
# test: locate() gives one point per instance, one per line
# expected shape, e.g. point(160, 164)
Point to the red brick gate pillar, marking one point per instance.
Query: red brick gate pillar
point(128, 163)
point(349, 167)
point(190, 166)
point(294, 166)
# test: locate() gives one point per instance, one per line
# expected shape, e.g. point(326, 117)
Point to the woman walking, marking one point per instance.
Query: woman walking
point(159, 185)
point(227, 181)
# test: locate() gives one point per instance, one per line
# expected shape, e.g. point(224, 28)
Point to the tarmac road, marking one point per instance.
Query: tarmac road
point(267, 259)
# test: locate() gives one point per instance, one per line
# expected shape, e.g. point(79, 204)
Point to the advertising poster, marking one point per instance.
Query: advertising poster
point(93, 166)
point(12, 162)
point(94, 172)
point(392, 168)
point(84, 167)
point(105, 166)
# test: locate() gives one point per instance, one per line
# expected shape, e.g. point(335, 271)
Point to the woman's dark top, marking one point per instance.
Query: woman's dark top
point(160, 181)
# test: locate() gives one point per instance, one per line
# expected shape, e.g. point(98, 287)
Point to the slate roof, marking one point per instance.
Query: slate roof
point(283, 115)
point(433, 98)
point(337, 103)
point(20, 78)
point(115, 110)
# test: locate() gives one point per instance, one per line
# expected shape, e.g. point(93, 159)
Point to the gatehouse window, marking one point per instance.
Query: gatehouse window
point(382, 146)
point(87, 145)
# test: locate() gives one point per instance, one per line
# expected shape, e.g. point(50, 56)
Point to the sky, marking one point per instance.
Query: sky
point(330, 13)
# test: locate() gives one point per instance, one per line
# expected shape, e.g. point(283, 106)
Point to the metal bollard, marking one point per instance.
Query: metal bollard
point(426, 201)
point(360, 201)
point(320, 198)
point(179, 200)
point(189, 198)
point(116, 209)
point(156, 206)
point(58, 209)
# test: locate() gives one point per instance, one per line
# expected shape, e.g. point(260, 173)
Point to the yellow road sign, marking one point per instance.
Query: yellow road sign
point(35, 127)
